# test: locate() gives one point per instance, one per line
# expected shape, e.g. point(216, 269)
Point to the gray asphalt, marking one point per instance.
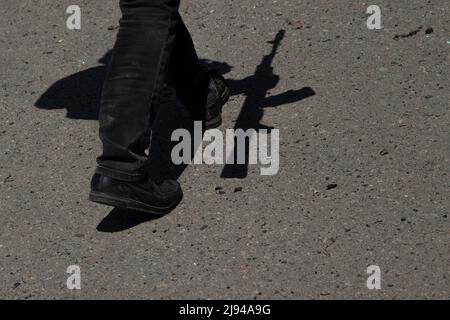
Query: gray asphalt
point(377, 128)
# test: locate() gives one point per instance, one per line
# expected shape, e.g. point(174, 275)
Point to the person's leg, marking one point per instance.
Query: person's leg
point(137, 71)
point(203, 92)
point(187, 76)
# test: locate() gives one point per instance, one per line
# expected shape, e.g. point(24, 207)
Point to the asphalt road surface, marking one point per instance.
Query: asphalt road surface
point(364, 123)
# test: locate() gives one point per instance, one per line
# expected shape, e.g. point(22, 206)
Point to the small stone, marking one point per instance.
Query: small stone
point(401, 123)
point(384, 152)
point(332, 186)
point(203, 227)
point(8, 179)
point(219, 190)
point(237, 189)
point(429, 30)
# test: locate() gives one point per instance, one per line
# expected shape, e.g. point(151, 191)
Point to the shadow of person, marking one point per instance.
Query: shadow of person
point(120, 219)
point(78, 93)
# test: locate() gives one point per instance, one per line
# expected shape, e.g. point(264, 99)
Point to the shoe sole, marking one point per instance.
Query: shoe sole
point(217, 121)
point(115, 201)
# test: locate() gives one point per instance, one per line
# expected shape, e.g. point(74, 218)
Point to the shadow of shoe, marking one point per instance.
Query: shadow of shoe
point(120, 219)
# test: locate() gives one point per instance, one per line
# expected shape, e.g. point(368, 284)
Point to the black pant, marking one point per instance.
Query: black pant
point(153, 48)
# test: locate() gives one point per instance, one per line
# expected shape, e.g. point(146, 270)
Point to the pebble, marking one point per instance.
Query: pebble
point(331, 186)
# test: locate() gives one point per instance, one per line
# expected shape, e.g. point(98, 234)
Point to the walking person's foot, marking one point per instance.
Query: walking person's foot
point(146, 196)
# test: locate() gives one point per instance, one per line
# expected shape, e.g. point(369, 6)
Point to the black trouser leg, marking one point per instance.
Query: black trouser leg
point(140, 64)
point(187, 76)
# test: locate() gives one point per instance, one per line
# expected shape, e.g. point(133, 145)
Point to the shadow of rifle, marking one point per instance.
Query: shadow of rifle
point(252, 110)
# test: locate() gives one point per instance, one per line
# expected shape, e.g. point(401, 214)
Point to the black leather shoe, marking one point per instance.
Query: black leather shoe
point(146, 196)
point(218, 95)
